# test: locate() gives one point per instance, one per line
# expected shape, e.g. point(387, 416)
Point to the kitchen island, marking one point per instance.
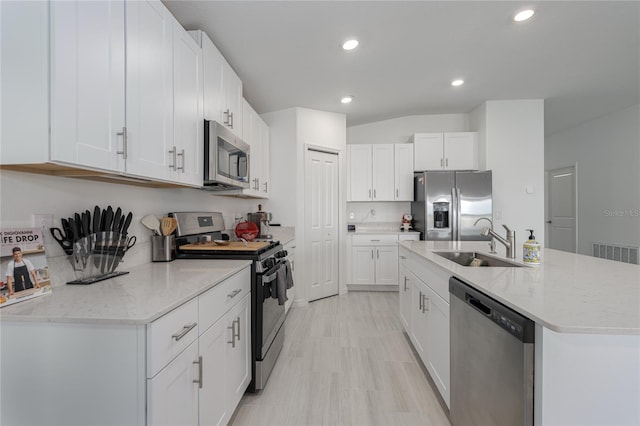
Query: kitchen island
point(587, 315)
point(141, 348)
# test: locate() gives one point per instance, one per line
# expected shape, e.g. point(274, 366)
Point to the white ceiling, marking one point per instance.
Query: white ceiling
point(582, 58)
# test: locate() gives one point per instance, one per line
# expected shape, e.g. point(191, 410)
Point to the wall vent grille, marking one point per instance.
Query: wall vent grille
point(617, 252)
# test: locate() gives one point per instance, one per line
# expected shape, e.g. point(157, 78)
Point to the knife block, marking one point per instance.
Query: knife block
point(163, 248)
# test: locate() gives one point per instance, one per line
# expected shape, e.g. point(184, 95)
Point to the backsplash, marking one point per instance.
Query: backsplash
point(25, 194)
point(377, 212)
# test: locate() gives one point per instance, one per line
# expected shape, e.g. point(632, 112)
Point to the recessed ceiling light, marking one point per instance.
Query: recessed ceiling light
point(458, 82)
point(346, 99)
point(523, 15)
point(350, 44)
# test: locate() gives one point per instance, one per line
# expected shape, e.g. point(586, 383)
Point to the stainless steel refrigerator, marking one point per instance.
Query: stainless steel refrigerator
point(447, 204)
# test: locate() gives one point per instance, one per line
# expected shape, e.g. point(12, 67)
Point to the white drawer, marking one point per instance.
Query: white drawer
point(171, 334)
point(214, 303)
point(375, 240)
point(432, 275)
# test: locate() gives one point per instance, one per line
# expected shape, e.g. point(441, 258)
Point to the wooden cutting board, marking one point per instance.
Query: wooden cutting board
point(233, 246)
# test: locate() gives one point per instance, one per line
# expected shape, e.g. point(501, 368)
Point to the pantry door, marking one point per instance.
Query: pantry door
point(561, 216)
point(321, 212)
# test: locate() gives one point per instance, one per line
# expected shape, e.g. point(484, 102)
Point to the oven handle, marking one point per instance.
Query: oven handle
point(269, 278)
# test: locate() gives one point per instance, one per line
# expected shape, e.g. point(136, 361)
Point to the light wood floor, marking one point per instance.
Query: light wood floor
point(345, 362)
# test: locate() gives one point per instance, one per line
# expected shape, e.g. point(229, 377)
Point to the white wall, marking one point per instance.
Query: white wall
point(291, 131)
point(283, 171)
point(607, 151)
point(478, 122)
point(399, 130)
point(515, 153)
point(24, 194)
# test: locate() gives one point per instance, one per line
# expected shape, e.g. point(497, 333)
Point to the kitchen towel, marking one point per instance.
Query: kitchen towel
point(281, 285)
point(284, 281)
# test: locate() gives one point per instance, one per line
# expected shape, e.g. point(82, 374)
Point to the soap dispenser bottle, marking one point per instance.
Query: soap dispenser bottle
point(531, 250)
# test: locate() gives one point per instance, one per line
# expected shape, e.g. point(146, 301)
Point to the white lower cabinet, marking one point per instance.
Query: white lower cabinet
point(172, 395)
point(406, 284)
point(373, 258)
point(191, 366)
point(426, 320)
point(217, 370)
point(204, 384)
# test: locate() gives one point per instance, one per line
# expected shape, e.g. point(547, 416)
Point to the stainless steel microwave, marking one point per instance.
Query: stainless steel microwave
point(226, 158)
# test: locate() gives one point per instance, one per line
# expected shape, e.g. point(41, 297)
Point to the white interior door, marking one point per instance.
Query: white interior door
point(321, 211)
point(561, 220)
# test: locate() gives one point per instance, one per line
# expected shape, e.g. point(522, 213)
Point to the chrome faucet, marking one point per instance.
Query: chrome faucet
point(509, 243)
point(492, 243)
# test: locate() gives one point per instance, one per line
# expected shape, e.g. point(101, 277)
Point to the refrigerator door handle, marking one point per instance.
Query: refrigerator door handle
point(455, 209)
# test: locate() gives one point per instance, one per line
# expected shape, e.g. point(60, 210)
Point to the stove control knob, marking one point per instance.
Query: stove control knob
point(281, 254)
point(268, 263)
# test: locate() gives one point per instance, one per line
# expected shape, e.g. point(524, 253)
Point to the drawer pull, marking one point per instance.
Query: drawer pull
point(374, 240)
point(199, 379)
point(403, 257)
point(234, 293)
point(187, 328)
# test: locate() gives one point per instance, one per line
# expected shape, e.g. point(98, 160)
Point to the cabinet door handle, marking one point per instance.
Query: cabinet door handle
point(227, 121)
point(425, 307)
point(181, 154)
point(175, 161)
point(237, 320)
point(374, 193)
point(199, 379)
point(397, 192)
point(369, 193)
point(405, 283)
point(234, 293)
point(257, 184)
point(420, 301)
point(441, 162)
point(403, 257)
point(372, 253)
point(185, 329)
point(231, 120)
point(266, 188)
point(378, 253)
point(232, 327)
point(447, 162)
point(123, 133)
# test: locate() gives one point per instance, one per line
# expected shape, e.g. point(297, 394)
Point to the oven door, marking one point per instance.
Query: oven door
point(273, 313)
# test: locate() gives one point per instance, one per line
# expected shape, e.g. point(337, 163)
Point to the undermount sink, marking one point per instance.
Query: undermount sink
point(466, 258)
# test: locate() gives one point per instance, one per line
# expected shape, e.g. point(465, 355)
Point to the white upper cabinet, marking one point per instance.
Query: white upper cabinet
point(222, 87)
point(187, 153)
point(359, 171)
point(383, 172)
point(380, 172)
point(445, 151)
point(149, 100)
point(125, 84)
point(232, 103)
point(88, 84)
point(403, 154)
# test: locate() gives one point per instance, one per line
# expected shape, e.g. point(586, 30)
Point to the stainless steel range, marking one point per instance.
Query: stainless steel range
point(195, 235)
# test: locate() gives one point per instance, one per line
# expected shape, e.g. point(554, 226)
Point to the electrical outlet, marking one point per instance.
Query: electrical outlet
point(352, 215)
point(42, 221)
point(373, 212)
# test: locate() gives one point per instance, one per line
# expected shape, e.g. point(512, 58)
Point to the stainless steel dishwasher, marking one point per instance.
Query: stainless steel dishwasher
point(492, 361)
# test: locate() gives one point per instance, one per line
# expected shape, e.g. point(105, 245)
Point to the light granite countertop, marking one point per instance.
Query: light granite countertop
point(145, 294)
point(566, 293)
